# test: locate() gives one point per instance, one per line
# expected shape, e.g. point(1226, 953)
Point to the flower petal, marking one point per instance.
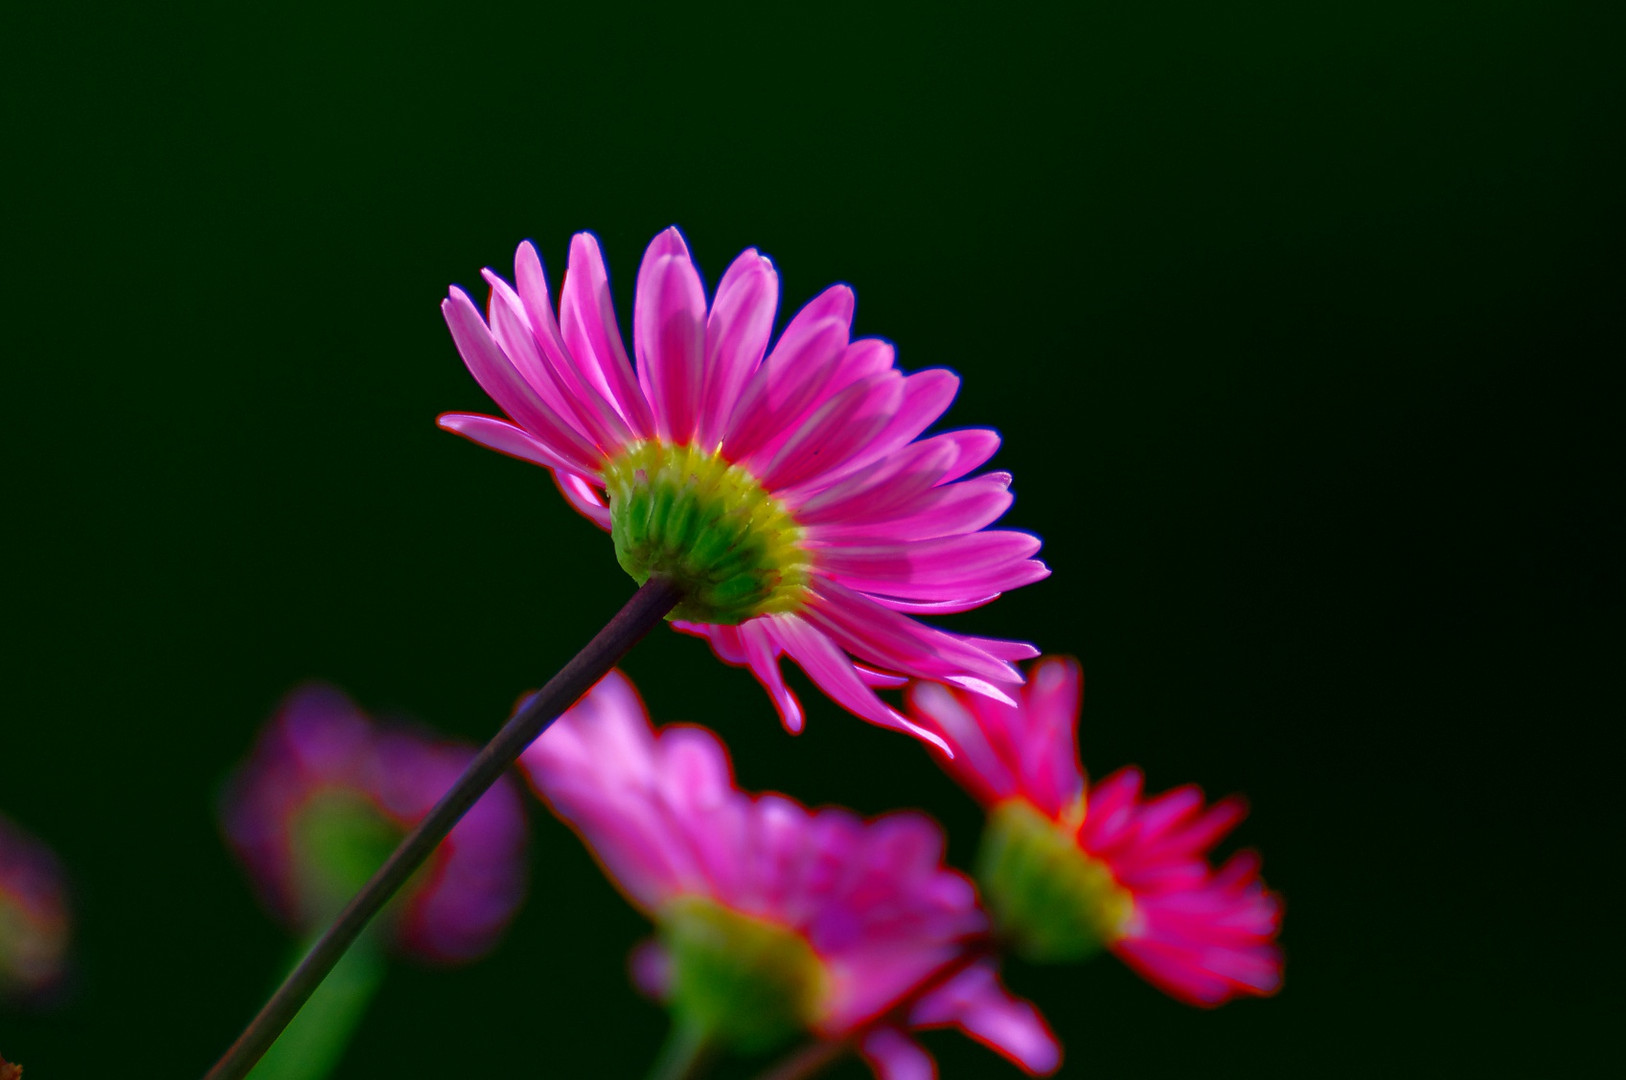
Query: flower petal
point(669, 335)
point(737, 331)
point(587, 323)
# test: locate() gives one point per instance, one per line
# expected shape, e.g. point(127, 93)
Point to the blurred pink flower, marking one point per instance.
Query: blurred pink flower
point(813, 919)
point(1135, 870)
point(786, 491)
point(34, 920)
point(326, 795)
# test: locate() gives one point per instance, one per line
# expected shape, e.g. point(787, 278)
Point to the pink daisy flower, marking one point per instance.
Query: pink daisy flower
point(325, 797)
point(785, 490)
point(772, 918)
point(34, 922)
point(1066, 872)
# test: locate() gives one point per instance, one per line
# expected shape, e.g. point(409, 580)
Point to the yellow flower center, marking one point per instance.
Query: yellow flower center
point(696, 520)
point(1050, 899)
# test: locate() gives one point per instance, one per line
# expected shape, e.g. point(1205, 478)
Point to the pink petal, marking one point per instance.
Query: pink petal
point(650, 969)
point(894, 1056)
point(737, 332)
point(827, 666)
point(669, 320)
point(795, 377)
point(503, 437)
point(559, 386)
point(944, 569)
point(943, 511)
point(978, 1004)
point(893, 641)
point(841, 427)
point(587, 323)
point(582, 495)
point(498, 377)
point(926, 395)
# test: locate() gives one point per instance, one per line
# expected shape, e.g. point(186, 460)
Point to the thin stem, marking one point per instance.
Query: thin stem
point(683, 1053)
point(647, 607)
point(809, 1059)
point(311, 1046)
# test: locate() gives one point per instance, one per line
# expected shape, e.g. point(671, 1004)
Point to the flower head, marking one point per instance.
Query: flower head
point(34, 922)
point(1067, 870)
point(785, 490)
point(326, 796)
point(773, 918)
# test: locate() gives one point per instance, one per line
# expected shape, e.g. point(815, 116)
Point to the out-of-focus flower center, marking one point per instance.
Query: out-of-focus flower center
point(30, 950)
point(1050, 899)
point(338, 838)
point(744, 982)
point(694, 519)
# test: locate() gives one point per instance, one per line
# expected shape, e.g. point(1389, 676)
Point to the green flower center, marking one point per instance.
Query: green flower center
point(339, 839)
point(1053, 902)
point(696, 520)
point(741, 981)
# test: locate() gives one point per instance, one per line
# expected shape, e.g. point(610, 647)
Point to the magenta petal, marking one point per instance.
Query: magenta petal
point(737, 331)
point(975, 1002)
point(840, 428)
point(833, 671)
point(941, 569)
point(892, 1055)
point(581, 494)
point(499, 378)
point(503, 437)
point(669, 321)
point(926, 395)
point(587, 323)
point(551, 377)
point(897, 642)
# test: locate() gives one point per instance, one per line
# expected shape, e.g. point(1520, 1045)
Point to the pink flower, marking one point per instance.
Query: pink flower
point(326, 796)
point(34, 921)
point(786, 490)
point(771, 917)
point(1066, 872)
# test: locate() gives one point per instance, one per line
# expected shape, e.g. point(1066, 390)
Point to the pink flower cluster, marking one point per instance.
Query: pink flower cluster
point(879, 912)
point(785, 487)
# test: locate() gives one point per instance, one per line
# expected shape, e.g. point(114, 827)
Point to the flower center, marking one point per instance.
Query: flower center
point(30, 950)
point(742, 981)
point(1053, 901)
point(708, 526)
point(339, 838)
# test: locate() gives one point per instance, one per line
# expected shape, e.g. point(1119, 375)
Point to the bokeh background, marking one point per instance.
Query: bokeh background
point(1302, 323)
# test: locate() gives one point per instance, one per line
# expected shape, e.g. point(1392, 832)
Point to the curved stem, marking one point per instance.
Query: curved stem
point(648, 606)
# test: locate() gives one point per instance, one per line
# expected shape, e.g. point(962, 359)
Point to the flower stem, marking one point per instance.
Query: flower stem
point(648, 606)
point(809, 1059)
point(311, 1046)
point(686, 1049)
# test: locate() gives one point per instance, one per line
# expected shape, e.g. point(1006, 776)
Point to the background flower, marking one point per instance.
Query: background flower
point(34, 919)
point(758, 900)
point(1067, 870)
point(326, 795)
point(783, 488)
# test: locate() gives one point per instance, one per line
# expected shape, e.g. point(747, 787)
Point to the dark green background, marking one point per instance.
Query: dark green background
point(1301, 322)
